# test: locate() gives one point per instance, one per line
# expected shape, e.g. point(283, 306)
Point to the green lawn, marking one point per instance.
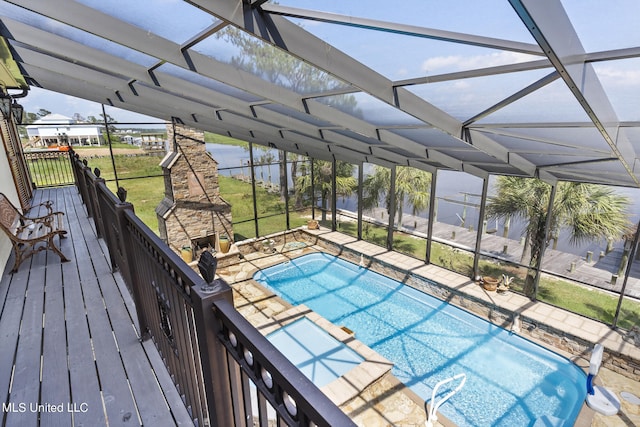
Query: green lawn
point(146, 193)
point(127, 166)
point(221, 139)
point(238, 194)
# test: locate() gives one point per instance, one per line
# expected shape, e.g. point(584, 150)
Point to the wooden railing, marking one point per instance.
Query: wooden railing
point(49, 168)
point(227, 373)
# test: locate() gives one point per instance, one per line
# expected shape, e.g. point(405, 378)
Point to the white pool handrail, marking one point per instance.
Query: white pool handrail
point(432, 416)
point(599, 398)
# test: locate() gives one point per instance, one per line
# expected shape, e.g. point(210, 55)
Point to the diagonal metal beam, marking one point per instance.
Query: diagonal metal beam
point(481, 72)
point(523, 137)
point(549, 24)
point(576, 163)
point(409, 30)
point(300, 43)
point(288, 36)
point(135, 38)
point(549, 78)
point(212, 29)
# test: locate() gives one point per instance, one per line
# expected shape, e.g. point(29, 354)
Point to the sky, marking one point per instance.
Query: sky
point(68, 105)
point(601, 25)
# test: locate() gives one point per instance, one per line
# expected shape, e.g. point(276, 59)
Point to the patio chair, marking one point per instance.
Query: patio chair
point(30, 235)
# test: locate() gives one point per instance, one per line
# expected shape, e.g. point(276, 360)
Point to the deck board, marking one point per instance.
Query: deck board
point(55, 386)
point(10, 328)
point(26, 376)
point(83, 375)
point(117, 398)
point(73, 324)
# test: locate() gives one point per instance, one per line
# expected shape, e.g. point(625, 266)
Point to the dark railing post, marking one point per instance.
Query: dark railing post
point(81, 179)
point(120, 239)
point(94, 179)
point(213, 353)
point(73, 159)
point(91, 199)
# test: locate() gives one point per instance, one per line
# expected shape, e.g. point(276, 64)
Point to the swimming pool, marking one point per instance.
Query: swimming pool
point(319, 356)
point(510, 380)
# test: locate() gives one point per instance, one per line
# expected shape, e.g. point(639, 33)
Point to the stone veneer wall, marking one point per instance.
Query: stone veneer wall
point(563, 340)
point(199, 211)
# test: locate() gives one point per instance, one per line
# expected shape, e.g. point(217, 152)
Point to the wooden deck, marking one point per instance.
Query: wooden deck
point(70, 349)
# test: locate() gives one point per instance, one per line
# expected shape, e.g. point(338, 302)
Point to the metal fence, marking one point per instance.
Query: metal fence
point(227, 373)
point(49, 168)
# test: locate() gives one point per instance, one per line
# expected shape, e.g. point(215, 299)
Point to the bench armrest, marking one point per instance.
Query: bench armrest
point(44, 218)
point(48, 205)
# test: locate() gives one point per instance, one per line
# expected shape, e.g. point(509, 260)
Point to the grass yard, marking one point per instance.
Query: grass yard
point(147, 192)
point(271, 210)
point(127, 166)
point(221, 139)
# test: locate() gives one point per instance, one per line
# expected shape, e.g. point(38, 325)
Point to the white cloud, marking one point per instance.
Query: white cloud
point(402, 72)
point(461, 84)
point(618, 76)
point(459, 62)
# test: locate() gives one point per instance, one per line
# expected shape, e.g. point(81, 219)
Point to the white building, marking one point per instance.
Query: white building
point(56, 129)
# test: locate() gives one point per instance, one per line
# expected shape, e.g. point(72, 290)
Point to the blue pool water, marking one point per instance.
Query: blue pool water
point(510, 381)
point(319, 356)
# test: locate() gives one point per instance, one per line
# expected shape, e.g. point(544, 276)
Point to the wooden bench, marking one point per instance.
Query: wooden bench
point(30, 235)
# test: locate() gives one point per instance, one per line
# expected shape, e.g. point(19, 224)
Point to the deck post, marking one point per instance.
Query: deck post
point(125, 264)
point(213, 354)
point(81, 181)
point(94, 180)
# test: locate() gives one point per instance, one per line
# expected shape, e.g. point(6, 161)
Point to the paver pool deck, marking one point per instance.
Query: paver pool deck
point(373, 396)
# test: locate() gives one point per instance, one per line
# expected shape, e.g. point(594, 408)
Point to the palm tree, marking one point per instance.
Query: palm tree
point(587, 211)
point(346, 183)
point(412, 186)
point(298, 166)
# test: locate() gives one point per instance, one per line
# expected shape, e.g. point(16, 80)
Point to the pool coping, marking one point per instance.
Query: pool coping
point(557, 329)
point(540, 322)
point(256, 306)
point(349, 385)
point(342, 390)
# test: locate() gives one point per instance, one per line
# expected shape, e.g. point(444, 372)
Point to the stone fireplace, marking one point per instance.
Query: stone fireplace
point(192, 213)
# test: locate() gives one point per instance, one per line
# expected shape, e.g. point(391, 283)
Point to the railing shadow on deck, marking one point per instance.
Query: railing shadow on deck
point(227, 373)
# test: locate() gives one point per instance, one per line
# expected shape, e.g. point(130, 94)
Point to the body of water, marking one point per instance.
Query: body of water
point(451, 185)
